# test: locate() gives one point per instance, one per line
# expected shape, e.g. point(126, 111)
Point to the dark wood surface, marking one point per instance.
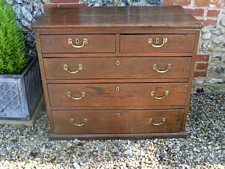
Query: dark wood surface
point(119, 79)
point(117, 17)
point(118, 95)
point(117, 121)
point(96, 44)
point(139, 43)
point(118, 68)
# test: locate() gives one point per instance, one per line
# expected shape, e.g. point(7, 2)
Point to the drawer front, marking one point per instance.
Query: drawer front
point(120, 95)
point(77, 43)
point(157, 43)
point(116, 121)
point(126, 68)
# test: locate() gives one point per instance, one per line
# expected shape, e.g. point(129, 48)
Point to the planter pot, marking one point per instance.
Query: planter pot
point(20, 94)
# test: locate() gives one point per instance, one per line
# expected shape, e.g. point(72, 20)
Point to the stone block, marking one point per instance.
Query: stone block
point(20, 94)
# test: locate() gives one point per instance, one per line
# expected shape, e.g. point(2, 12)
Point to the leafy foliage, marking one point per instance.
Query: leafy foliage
point(12, 47)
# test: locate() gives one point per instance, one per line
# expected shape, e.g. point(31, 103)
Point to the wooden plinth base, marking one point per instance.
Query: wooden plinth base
point(119, 136)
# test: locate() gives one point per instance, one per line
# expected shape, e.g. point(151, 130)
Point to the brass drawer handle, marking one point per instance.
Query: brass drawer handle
point(77, 42)
point(159, 70)
point(78, 124)
point(163, 120)
point(69, 95)
point(117, 63)
point(166, 93)
point(157, 40)
point(67, 68)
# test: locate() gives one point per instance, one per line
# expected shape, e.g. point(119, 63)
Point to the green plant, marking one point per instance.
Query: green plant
point(12, 47)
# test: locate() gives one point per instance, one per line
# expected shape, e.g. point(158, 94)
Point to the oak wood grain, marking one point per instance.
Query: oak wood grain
point(120, 95)
point(116, 88)
point(140, 43)
point(95, 43)
point(117, 17)
point(117, 121)
point(118, 68)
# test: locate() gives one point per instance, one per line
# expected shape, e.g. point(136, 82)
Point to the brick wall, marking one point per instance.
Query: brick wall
point(204, 10)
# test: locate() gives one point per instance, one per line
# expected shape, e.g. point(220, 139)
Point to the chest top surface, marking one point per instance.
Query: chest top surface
point(171, 17)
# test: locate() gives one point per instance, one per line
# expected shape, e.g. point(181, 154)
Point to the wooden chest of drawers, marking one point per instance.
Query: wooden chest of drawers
point(117, 72)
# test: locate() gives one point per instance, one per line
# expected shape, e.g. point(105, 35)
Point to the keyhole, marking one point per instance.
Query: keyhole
point(117, 88)
point(157, 40)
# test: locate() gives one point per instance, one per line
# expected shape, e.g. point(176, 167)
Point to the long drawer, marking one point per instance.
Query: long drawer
point(126, 68)
point(119, 95)
point(157, 43)
point(77, 43)
point(117, 121)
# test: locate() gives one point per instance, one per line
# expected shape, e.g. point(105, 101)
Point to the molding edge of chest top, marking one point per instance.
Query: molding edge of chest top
point(123, 72)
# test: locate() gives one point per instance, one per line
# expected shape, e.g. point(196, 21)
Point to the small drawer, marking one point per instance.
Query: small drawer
point(157, 43)
point(117, 121)
point(118, 95)
point(160, 68)
point(77, 43)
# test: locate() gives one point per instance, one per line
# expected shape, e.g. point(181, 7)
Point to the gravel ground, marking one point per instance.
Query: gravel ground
point(29, 148)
